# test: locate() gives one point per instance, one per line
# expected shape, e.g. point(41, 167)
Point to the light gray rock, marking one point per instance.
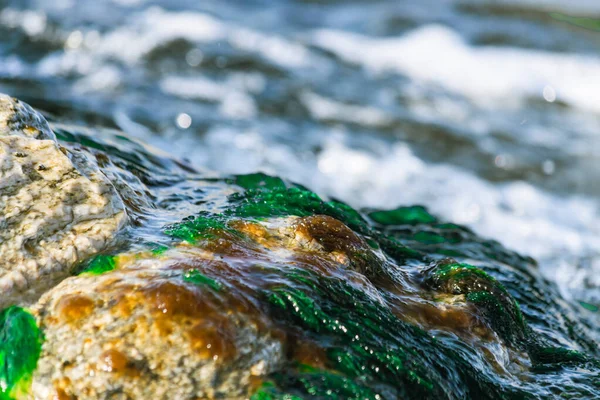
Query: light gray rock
point(56, 207)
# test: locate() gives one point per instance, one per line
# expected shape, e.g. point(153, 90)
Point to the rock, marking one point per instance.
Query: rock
point(183, 323)
point(56, 207)
point(151, 334)
point(253, 287)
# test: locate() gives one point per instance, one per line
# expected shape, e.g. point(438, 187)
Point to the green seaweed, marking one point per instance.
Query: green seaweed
point(429, 237)
point(314, 382)
point(197, 278)
point(269, 391)
point(327, 312)
point(588, 306)
point(201, 226)
point(500, 310)
point(100, 264)
point(403, 215)
point(258, 180)
point(486, 293)
point(368, 346)
point(269, 197)
point(266, 196)
point(20, 348)
point(371, 352)
point(158, 249)
point(278, 200)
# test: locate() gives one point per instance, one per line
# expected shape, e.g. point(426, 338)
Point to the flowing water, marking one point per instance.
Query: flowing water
point(486, 112)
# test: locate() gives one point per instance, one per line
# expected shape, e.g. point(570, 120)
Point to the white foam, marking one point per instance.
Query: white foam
point(235, 103)
point(12, 66)
point(107, 79)
point(156, 26)
point(197, 87)
point(91, 53)
point(557, 231)
point(322, 108)
point(522, 217)
point(32, 22)
point(490, 76)
point(275, 49)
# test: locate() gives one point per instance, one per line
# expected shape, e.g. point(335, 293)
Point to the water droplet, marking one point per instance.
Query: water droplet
point(183, 121)
point(548, 167)
point(503, 161)
point(194, 57)
point(74, 40)
point(549, 94)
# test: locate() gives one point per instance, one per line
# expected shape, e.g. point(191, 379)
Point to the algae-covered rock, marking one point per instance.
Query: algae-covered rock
point(254, 287)
point(20, 346)
point(56, 207)
point(159, 334)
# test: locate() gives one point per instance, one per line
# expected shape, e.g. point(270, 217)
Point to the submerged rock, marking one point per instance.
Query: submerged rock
point(253, 287)
point(56, 207)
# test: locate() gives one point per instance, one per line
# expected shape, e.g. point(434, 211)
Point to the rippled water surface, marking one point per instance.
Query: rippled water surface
point(486, 112)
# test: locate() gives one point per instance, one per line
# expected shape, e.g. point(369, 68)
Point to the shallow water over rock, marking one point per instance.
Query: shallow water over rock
point(251, 286)
point(485, 112)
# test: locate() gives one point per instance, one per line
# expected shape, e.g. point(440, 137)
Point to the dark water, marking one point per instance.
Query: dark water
point(487, 112)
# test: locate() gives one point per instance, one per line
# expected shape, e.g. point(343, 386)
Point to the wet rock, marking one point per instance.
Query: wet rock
point(56, 207)
point(151, 334)
point(253, 287)
point(186, 322)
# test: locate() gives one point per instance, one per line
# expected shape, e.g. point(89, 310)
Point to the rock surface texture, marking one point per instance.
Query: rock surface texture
point(252, 287)
point(145, 334)
point(56, 208)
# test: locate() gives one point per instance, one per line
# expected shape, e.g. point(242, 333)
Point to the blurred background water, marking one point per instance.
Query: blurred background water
point(487, 112)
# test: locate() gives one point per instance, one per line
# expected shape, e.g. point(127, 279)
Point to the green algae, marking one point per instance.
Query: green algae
point(158, 249)
point(588, 306)
point(100, 264)
point(403, 215)
point(486, 293)
point(370, 353)
point(269, 197)
point(501, 311)
point(444, 272)
point(550, 356)
point(269, 391)
point(197, 278)
point(258, 180)
point(265, 196)
point(277, 200)
point(20, 348)
point(429, 238)
point(550, 321)
point(314, 382)
point(199, 227)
